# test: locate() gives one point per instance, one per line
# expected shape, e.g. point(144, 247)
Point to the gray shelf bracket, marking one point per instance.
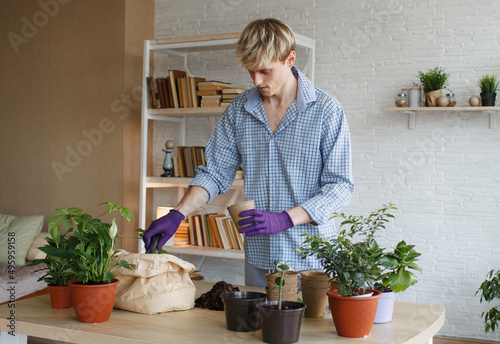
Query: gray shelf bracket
point(412, 119)
point(493, 119)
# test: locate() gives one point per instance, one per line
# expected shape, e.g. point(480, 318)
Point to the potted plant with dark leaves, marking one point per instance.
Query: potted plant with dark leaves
point(56, 266)
point(281, 320)
point(353, 263)
point(488, 85)
point(433, 82)
point(91, 250)
point(490, 291)
point(394, 268)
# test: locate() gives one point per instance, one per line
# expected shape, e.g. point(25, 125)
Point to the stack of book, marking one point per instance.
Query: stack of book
point(214, 230)
point(182, 235)
point(187, 159)
point(177, 90)
point(211, 92)
point(228, 94)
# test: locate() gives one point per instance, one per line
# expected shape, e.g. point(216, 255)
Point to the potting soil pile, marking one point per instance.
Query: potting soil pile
point(212, 299)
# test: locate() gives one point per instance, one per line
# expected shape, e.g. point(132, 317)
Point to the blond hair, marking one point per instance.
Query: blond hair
point(264, 40)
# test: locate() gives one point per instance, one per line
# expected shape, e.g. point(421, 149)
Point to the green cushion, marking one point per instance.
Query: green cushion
point(24, 230)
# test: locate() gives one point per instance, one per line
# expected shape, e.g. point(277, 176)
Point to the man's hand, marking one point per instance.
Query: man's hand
point(166, 226)
point(264, 222)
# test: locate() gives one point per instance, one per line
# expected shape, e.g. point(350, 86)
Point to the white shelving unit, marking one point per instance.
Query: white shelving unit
point(183, 46)
point(412, 112)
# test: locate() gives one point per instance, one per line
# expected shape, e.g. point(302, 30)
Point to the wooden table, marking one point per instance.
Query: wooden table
point(412, 323)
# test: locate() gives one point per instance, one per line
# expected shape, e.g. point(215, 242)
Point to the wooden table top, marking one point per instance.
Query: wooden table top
point(412, 323)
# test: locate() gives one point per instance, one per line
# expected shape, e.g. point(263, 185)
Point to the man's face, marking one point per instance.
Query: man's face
point(271, 77)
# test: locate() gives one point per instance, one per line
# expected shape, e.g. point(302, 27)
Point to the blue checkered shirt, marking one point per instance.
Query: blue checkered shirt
point(306, 162)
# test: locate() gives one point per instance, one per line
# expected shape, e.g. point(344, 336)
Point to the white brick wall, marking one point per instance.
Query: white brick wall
point(443, 176)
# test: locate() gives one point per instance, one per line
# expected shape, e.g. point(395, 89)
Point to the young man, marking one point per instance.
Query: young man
point(293, 143)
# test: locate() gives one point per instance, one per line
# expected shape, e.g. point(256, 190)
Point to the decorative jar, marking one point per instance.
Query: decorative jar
point(401, 100)
point(452, 99)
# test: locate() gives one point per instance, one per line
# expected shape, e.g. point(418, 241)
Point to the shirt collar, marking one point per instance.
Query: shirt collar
point(305, 93)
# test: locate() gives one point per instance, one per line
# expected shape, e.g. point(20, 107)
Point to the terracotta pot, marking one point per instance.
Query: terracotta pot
point(431, 97)
point(241, 311)
point(60, 296)
point(314, 284)
point(281, 326)
point(93, 303)
point(385, 307)
point(353, 316)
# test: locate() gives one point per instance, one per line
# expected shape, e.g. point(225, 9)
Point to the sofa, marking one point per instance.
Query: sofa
point(20, 237)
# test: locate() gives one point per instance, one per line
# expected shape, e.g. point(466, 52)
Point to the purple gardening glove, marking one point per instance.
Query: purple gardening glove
point(264, 222)
point(166, 226)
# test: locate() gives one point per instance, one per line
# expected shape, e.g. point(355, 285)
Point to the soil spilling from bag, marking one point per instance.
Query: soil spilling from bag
point(212, 299)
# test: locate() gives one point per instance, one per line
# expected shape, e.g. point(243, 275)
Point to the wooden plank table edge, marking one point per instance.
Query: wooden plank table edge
point(410, 318)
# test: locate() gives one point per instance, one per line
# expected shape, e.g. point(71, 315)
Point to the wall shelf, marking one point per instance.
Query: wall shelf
point(412, 112)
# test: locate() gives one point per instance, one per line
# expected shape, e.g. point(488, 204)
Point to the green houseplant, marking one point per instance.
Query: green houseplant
point(488, 85)
point(90, 251)
point(356, 261)
point(432, 82)
point(281, 320)
point(489, 291)
point(58, 271)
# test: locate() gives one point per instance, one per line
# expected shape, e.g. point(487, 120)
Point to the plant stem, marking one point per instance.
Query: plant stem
point(281, 288)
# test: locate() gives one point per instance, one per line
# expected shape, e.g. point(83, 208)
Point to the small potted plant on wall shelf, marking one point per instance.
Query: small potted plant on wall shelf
point(489, 291)
point(433, 83)
point(91, 250)
point(488, 85)
point(281, 320)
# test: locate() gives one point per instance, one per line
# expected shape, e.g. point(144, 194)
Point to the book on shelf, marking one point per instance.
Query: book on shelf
point(186, 160)
point(214, 83)
point(214, 230)
point(154, 102)
point(233, 90)
point(182, 234)
point(195, 98)
point(174, 75)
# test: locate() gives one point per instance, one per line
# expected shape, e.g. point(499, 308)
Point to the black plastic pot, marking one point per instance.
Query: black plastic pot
point(281, 326)
point(488, 99)
point(241, 311)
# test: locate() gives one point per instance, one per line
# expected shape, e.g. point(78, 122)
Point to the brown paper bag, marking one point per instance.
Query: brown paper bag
point(159, 283)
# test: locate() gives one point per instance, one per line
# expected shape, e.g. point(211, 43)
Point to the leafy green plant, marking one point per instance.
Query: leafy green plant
point(488, 84)
point(434, 79)
point(396, 276)
point(90, 249)
point(57, 269)
point(355, 259)
point(280, 271)
point(489, 291)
